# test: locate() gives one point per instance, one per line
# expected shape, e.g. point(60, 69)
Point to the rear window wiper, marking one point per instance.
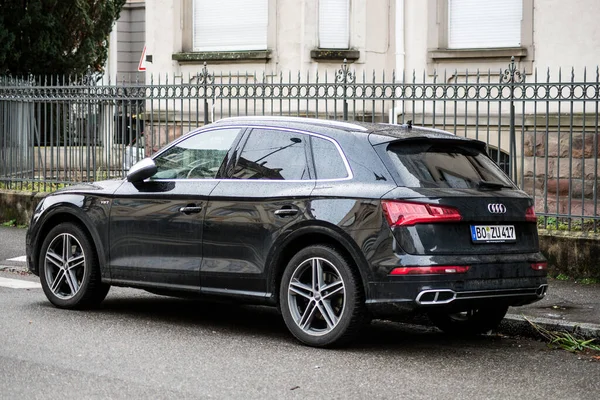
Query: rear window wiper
point(487, 185)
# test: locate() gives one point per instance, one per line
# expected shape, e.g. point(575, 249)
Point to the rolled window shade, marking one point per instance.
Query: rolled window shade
point(334, 24)
point(484, 23)
point(230, 25)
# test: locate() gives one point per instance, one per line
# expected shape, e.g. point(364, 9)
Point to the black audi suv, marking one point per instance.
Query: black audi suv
point(334, 223)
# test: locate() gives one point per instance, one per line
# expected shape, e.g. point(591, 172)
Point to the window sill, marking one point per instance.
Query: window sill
point(334, 55)
point(469, 54)
point(198, 57)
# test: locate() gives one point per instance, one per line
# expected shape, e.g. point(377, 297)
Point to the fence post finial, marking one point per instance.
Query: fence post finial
point(345, 76)
point(205, 79)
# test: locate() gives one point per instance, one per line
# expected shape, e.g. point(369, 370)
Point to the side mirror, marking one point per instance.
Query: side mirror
point(142, 170)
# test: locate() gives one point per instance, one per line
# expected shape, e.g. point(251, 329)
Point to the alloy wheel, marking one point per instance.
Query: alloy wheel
point(316, 296)
point(65, 266)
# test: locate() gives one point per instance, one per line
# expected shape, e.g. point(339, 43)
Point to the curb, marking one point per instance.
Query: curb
point(517, 325)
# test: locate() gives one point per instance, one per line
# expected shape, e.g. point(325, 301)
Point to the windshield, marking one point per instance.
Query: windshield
point(445, 165)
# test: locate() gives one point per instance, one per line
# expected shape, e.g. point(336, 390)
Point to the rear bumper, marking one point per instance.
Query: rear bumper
point(458, 292)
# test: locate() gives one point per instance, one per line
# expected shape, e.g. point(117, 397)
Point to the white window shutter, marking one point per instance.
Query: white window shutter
point(484, 23)
point(334, 24)
point(230, 25)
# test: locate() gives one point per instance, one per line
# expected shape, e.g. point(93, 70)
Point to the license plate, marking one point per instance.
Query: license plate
point(493, 233)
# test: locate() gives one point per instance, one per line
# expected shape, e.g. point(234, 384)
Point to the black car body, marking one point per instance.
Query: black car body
point(333, 222)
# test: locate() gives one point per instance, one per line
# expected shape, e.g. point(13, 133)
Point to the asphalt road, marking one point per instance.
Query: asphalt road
point(143, 346)
point(12, 243)
point(139, 345)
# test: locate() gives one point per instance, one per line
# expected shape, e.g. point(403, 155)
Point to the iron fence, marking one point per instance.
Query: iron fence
point(542, 129)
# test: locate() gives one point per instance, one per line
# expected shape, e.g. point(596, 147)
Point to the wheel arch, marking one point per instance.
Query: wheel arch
point(313, 235)
point(67, 213)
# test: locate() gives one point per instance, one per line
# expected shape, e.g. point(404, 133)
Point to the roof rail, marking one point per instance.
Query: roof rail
point(325, 122)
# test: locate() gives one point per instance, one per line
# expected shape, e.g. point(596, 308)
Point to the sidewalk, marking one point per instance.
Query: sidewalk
point(568, 306)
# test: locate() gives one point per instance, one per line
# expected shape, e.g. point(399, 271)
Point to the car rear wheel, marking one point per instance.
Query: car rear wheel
point(321, 297)
point(69, 269)
point(474, 321)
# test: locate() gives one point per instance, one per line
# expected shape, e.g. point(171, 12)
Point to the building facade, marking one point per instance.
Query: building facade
point(442, 63)
point(402, 35)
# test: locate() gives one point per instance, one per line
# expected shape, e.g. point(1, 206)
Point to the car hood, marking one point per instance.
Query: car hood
point(107, 187)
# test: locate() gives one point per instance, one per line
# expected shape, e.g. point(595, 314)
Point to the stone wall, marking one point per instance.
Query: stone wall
point(18, 206)
point(562, 164)
point(572, 254)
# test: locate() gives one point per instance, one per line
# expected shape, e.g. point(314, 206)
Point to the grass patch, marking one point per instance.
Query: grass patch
point(12, 223)
point(562, 277)
point(568, 224)
point(565, 340)
point(32, 186)
point(589, 281)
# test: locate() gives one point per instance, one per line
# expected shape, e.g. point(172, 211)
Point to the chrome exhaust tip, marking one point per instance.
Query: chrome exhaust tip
point(541, 291)
point(440, 296)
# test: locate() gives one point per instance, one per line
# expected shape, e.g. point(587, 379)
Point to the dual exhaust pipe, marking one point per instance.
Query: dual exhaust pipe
point(446, 296)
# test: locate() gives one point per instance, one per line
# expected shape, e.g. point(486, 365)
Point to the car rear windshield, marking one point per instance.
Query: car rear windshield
point(430, 164)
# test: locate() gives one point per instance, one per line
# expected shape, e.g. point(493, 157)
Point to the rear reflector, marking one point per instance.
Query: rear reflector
point(448, 269)
point(539, 266)
point(530, 215)
point(401, 213)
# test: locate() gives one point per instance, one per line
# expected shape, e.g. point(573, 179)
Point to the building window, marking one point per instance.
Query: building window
point(334, 25)
point(229, 25)
point(501, 158)
point(484, 24)
point(478, 33)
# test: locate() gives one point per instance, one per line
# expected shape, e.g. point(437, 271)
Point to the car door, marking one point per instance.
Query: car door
point(156, 225)
point(265, 191)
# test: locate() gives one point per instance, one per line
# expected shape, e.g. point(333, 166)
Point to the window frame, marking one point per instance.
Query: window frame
point(308, 154)
point(323, 54)
point(437, 40)
point(187, 55)
point(244, 143)
point(230, 152)
point(501, 158)
point(340, 153)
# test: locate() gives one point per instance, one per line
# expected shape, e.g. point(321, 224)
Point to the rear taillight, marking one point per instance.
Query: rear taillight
point(401, 213)
point(541, 266)
point(446, 269)
point(530, 214)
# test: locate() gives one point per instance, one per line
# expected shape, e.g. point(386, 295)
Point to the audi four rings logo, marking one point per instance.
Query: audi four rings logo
point(497, 208)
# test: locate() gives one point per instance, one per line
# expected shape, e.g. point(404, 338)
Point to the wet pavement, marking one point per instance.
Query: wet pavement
point(568, 306)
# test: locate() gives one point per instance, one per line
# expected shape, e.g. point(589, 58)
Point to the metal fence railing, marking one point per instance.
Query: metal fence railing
point(542, 129)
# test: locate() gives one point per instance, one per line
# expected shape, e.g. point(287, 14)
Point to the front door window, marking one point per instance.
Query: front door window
point(197, 157)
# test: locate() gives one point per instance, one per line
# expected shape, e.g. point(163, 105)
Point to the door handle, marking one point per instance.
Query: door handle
point(190, 209)
point(286, 211)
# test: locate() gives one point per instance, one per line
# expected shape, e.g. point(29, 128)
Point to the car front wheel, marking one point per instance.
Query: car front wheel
point(321, 297)
point(474, 321)
point(69, 269)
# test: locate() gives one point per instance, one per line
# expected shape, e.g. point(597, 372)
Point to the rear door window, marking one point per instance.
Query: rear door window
point(274, 155)
point(431, 164)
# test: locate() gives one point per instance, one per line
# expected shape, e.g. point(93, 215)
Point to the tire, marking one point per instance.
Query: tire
point(76, 283)
point(324, 312)
point(474, 321)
